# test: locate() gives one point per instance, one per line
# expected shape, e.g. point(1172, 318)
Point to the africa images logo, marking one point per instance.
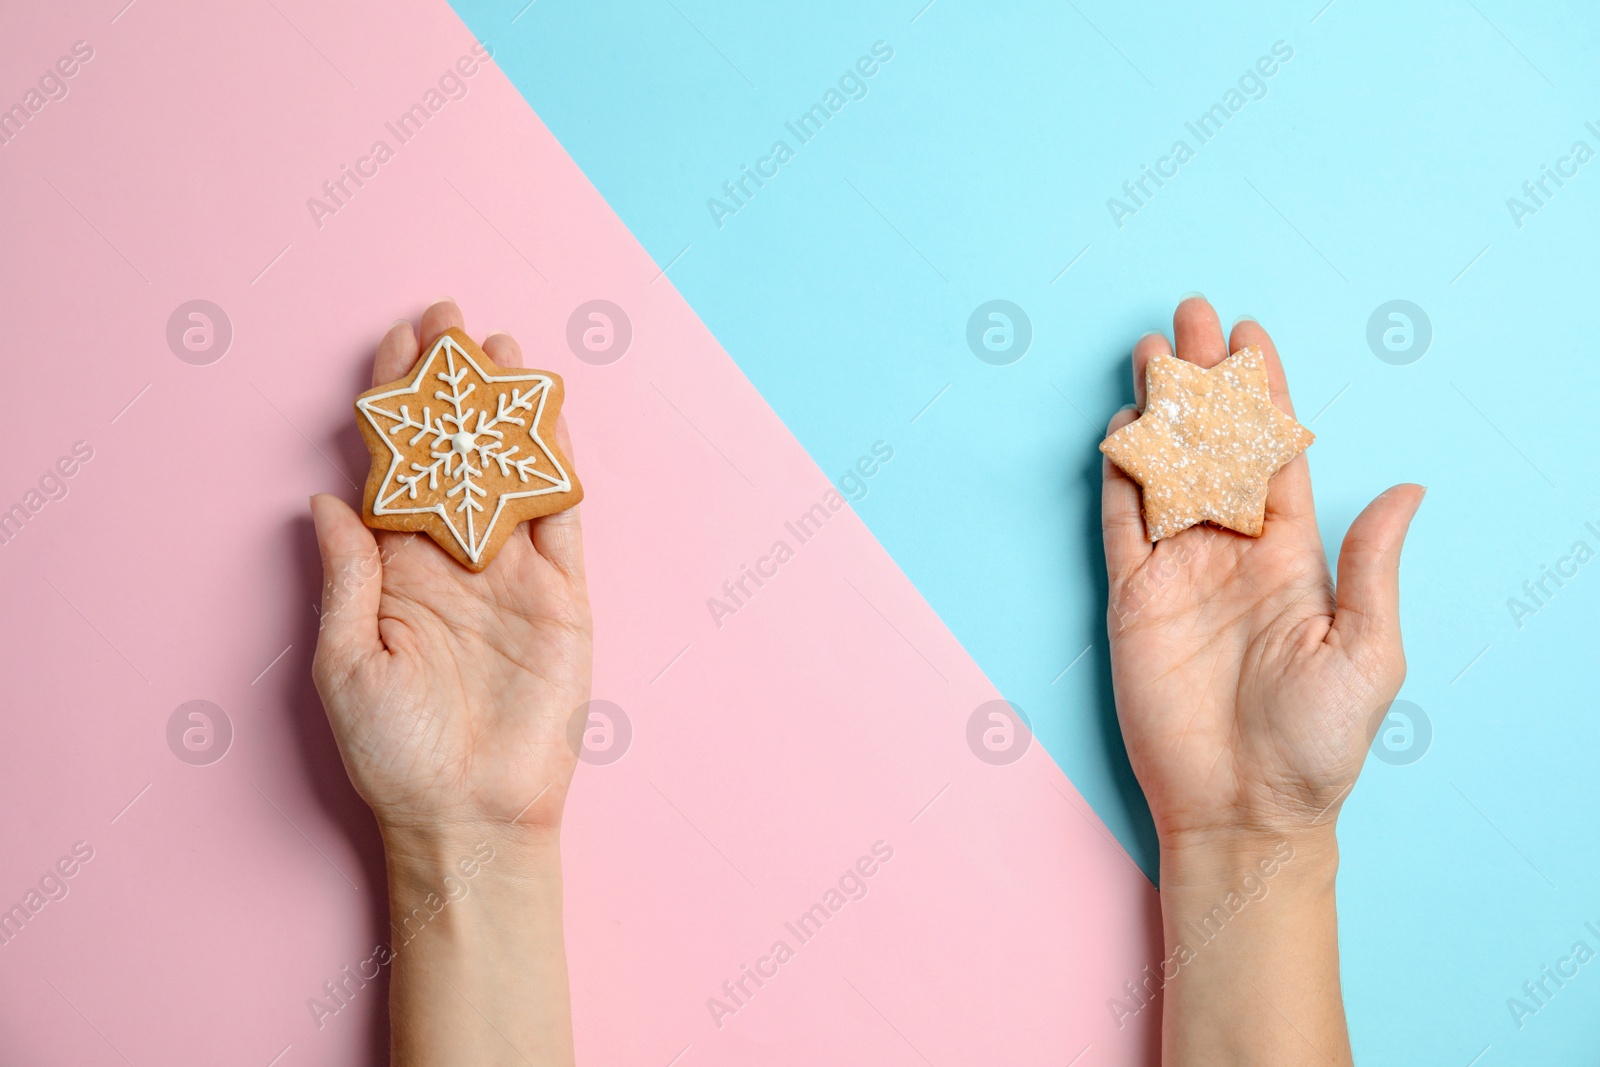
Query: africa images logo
point(852, 885)
point(1252, 85)
point(852, 85)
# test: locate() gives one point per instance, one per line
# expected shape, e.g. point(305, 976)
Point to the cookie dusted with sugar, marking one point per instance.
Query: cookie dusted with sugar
point(463, 450)
point(1207, 444)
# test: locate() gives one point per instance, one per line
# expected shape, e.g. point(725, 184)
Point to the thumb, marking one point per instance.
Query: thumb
point(352, 580)
point(1367, 613)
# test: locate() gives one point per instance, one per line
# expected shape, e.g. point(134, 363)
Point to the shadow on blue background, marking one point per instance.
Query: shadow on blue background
point(1377, 162)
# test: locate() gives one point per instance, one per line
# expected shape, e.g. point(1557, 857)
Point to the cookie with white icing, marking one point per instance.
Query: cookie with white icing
point(463, 450)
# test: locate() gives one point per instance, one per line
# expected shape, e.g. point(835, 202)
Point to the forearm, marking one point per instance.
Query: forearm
point(1251, 972)
point(479, 966)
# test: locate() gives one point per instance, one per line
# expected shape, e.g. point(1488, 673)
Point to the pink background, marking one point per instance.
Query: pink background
point(766, 758)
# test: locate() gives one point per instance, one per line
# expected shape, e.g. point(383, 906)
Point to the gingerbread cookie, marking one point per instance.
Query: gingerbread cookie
point(463, 450)
point(1206, 445)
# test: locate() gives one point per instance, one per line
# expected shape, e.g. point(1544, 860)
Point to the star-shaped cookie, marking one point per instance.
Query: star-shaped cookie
point(1207, 444)
point(463, 450)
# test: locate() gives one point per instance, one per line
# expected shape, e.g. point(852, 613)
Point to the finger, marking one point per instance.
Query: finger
point(396, 353)
point(1290, 500)
point(1289, 493)
point(1153, 343)
point(439, 317)
point(1247, 332)
point(352, 582)
point(1367, 598)
point(1127, 545)
point(503, 349)
point(1198, 332)
point(559, 537)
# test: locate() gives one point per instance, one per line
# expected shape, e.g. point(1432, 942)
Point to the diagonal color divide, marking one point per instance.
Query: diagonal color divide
point(825, 719)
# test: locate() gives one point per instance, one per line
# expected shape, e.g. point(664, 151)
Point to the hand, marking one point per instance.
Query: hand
point(1249, 687)
point(450, 693)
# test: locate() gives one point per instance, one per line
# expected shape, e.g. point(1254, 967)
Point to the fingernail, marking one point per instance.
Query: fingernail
point(399, 322)
point(1244, 318)
point(445, 300)
point(1191, 296)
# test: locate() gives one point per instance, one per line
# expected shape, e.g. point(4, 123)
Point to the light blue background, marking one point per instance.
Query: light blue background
point(1377, 167)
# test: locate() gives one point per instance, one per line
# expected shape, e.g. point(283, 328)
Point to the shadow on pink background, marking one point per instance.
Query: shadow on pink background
point(768, 753)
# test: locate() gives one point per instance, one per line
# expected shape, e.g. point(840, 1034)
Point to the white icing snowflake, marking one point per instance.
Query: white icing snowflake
point(471, 454)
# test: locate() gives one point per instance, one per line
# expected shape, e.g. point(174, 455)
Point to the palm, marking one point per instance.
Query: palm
point(1218, 670)
point(483, 674)
point(1244, 690)
point(451, 692)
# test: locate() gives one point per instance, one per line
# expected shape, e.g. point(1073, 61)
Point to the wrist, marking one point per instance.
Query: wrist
point(422, 857)
point(453, 890)
point(476, 941)
point(1297, 858)
point(1248, 917)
